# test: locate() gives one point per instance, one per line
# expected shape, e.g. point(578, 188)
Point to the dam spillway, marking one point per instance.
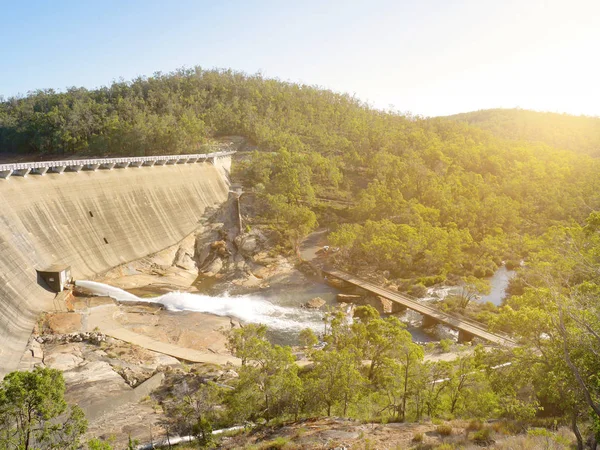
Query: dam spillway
point(92, 217)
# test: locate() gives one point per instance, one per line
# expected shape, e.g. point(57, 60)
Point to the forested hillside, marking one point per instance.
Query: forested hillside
point(425, 197)
point(576, 133)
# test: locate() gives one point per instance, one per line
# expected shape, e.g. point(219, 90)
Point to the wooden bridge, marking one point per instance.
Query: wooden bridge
point(467, 329)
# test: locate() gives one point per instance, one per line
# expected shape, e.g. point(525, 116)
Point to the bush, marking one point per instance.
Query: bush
point(418, 437)
point(418, 290)
point(444, 430)
point(483, 436)
point(277, 444)
point(475, 425)
point(432, 280)
point(445, 446)
point(446, 345)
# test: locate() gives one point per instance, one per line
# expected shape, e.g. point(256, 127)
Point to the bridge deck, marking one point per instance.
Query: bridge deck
point(475, 329)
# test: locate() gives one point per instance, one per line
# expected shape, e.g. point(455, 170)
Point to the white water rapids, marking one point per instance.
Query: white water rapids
point(247, 308)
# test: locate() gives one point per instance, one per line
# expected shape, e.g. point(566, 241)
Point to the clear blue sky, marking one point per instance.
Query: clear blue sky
point(430, 57)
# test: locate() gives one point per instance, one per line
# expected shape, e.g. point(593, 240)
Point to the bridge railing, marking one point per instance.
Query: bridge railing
point(41, 167)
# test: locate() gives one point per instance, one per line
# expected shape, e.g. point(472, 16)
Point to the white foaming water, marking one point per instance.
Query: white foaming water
point(247, 308)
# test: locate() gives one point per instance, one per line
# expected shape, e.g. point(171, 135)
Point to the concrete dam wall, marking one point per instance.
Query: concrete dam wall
point(92, 220)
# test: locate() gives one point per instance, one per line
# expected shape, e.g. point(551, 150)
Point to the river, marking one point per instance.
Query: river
point(280, 306)
point(498, 285)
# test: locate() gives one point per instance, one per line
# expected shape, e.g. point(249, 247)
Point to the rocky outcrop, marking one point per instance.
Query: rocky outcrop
point(184, 260)
point(314, 303)
point(92, 337)
point(382, 305)
point(248, 244)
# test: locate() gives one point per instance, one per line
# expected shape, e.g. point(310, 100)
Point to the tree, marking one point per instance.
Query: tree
point(308, 338)
point(249, 342)
point(268, 386)
point(379, 338)
point(34, 414)
point(335, 380)
point(197, 412)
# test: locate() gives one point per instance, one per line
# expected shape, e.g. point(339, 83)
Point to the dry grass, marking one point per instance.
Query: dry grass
point(444, 430)
point(539, 439)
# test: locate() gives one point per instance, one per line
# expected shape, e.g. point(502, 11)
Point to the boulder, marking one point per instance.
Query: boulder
point(214, 267)
point(220, 248)
point(184, 260)
point(315, 303)
point(247, 244)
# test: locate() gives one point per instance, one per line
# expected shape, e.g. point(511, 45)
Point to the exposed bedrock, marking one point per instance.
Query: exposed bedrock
point(92, 221)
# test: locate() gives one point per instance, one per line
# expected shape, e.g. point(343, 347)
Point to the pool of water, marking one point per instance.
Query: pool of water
point(498, 285)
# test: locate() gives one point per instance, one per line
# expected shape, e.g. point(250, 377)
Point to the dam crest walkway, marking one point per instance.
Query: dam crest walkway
point(76, 165)
point(467, 329)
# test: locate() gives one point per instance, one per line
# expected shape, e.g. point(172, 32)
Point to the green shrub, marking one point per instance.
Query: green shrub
point(418, 290)
point(277, 444)
point(418, 437)
point(432, 280)
point(446, 345)
point(483, 436)
point(445, 446)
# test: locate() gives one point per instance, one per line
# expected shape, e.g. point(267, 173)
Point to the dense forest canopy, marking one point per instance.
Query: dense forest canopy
point(576, 133)
point(423, 197)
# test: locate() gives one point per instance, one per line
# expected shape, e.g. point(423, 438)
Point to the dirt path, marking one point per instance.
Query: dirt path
point(312, 244)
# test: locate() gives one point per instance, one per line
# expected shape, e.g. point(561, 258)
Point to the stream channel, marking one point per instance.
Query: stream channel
point(279, 306)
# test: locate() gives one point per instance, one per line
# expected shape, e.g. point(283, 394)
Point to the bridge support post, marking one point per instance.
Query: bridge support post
point(6, 174)
point(397, 308)
point(22, 172)
point(429, 321)
point(108, 166)
point(464, 336)
point(40, 170)
point(92, 167)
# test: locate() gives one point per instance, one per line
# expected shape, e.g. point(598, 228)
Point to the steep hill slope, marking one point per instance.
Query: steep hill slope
point(424, 196)
point(576, 133)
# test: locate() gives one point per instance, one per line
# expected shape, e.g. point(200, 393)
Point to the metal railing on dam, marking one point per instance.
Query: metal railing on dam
point(42, 167)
